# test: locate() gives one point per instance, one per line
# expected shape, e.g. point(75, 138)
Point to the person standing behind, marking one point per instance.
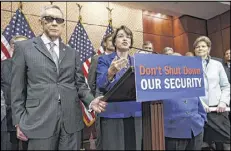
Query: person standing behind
point(168, 51)
point(47, 86)
point(4, 135)
point(226, 63)
point(6, 67)
point(147, 45)
point(217, 94)
point(108, 49)
point(189, 53)
point(121, 123)
point(184, 121)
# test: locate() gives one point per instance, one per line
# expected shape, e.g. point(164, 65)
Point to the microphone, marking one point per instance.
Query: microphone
point(153, 52)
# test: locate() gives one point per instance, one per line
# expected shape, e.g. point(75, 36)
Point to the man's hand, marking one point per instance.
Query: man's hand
point(221, 107)
point(20, 134)
point(98, 105)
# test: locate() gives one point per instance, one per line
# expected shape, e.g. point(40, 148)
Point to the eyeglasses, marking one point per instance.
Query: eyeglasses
point(50, 19)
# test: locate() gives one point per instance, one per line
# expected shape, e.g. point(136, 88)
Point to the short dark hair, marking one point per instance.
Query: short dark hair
point(126, 30)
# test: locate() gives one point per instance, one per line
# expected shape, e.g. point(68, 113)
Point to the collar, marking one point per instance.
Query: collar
point(228, 64)
point(207, 60)
point(47, 40)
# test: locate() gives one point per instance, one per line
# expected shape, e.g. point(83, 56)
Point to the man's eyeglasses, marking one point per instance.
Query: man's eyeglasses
point(50, 19)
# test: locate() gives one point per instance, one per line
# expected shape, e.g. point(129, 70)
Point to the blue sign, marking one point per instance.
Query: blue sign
point(160, 77)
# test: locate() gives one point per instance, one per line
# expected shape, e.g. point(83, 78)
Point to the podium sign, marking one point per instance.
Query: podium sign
point(159, 77)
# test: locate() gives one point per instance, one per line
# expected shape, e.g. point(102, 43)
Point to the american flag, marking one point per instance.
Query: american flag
point(17, 26)
point(108, 31)
point(81, 43)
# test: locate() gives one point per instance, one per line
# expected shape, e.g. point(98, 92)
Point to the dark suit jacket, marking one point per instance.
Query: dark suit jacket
point(218, 59)
point(36, 86)
point(227, 70)
point(92, 74)
point(6, 67)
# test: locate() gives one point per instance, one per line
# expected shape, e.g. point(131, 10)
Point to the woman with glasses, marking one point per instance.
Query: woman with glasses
point(121, 122)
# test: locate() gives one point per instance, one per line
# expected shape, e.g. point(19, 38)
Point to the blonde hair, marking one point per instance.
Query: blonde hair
point(204, 39)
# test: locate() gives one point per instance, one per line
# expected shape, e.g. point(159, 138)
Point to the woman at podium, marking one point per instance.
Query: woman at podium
point(121, 123)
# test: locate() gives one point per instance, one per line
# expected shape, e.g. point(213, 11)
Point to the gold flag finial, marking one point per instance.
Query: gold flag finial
point(80, 7)
point(20, 6)
point(109, 15)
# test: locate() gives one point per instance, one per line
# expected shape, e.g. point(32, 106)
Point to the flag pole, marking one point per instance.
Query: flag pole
point(80, 20)
point(20, 6)
point(109, 15)
point(80, 16)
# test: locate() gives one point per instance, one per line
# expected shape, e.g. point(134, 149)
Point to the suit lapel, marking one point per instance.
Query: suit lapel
point(40, 46)
point(112, 56)
point(62, 51)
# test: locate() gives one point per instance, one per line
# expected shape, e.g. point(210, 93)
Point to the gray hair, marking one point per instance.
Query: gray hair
point(43, 12)
point(166, 49)
point(147, 43)
point(16, 38)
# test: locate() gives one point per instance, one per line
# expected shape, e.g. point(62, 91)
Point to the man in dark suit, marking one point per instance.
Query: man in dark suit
point(47, 85)
point(6, 67)
point(226, 63)
point(108, 49)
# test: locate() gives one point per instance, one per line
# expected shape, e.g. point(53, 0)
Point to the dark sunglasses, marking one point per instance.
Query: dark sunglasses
point(50, 19)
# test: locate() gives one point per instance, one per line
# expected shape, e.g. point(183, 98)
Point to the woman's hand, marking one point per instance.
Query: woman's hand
point(221, 107)
point(116, 66)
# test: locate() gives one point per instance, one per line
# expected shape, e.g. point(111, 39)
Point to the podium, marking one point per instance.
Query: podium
point(152, 111)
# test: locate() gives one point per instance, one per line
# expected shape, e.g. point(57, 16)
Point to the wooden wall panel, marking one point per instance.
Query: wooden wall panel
point(219, 33)
point(214, 24)
point(157, 26)
point(216, 39)
point(196, 25)
point(191, 39)
point(153, 14)
point(159, 42)
point(226, 39)
point(225, 20)
point(181, 44)
point(178, 27)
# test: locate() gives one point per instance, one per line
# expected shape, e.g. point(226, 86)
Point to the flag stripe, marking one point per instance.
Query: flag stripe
point(5, 42)
point(82, 44)
point(5, 51)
